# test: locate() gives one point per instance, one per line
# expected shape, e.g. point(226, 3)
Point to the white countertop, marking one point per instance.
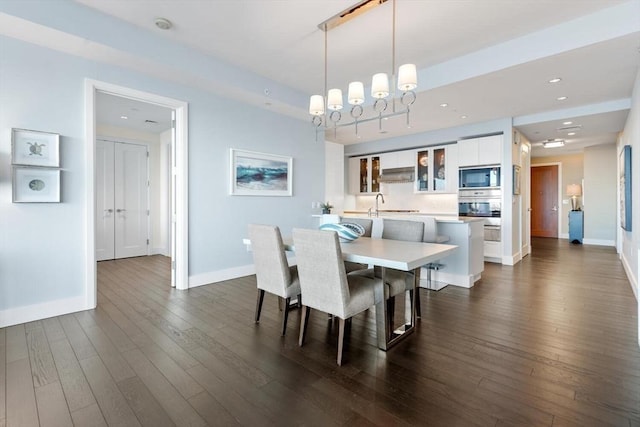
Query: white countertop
point(448, 218)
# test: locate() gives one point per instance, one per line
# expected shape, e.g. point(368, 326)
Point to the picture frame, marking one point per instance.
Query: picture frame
point(35, 148)
point(260, 174)
point(35, 185)
point(516, 180)
point(625, 188)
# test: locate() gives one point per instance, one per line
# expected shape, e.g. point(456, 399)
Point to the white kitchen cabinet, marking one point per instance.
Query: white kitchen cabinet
point(493, 251)
point(436, 169)
point(364, 173)
point(397, 159)
point(486, 150)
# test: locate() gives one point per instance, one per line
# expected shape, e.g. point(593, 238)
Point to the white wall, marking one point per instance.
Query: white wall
point(42, 245)
point(600, 183)
point(629, 247)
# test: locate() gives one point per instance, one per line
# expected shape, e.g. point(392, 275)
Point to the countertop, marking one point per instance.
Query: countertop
point(440, 217)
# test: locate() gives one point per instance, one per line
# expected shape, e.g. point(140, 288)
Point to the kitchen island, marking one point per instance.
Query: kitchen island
point(463, 267)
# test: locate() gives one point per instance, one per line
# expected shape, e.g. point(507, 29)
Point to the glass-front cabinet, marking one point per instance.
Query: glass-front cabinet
point(364, 174)
point(436, 170)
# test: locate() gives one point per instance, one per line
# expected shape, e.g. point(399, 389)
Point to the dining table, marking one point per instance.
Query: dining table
point(394, 254)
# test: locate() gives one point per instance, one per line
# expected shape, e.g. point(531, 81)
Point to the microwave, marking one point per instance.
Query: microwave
point(480, 177)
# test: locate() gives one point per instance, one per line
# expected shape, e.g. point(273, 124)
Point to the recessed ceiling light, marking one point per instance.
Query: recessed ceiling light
point(562, 98)
point(555, 80)
point(124, 117)
point(553, 143)
point(571, 133)
point(444, 104)
point(567, 123)
point(463, 117)
point(163, 23)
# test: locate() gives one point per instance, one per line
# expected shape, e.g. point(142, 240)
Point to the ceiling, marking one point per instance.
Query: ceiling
point(486, 59)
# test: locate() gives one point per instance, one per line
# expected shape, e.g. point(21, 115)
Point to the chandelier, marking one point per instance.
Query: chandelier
point(407, 81)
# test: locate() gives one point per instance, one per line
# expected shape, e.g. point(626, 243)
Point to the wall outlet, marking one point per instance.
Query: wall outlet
point(565, 201)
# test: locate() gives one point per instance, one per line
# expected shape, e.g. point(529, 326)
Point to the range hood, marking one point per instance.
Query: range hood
point(397, 175)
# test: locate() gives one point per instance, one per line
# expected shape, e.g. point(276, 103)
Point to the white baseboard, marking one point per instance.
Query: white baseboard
point(30, 313)
point(511, 260)
point(221, 275)
point(632, 279)
point(160, 251)
point(599, 242)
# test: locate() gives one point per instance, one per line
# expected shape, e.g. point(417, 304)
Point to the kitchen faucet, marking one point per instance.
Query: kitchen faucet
point(381, 196)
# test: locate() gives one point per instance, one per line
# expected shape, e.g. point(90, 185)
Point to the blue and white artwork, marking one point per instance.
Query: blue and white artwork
point(260, 174)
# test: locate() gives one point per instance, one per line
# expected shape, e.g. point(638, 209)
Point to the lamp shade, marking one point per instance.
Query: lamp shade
point(334, 99)
point(380, 86)
point(356, 93)
point(407, 77)
point(316, 105)
point(574, 190)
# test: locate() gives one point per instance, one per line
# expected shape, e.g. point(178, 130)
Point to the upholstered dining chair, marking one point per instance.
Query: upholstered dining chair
point(400, 281)
point(325, 284)
point(273, 273)
point(367, 224)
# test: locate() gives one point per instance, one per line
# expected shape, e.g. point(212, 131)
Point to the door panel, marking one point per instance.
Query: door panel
point(121, 200)
point(544, 201)
point(105, 214)
point(130, 184)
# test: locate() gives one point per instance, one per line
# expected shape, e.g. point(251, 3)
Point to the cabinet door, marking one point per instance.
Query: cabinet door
point(439, 169)
point(404, 159)
point(423, 159)
point(375, 174)
point(467, 152)
point(490, 150)
point(354, 175)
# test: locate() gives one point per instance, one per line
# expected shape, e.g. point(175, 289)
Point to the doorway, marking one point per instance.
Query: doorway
point(544, 200)
point(178, 182)
point(123, 213)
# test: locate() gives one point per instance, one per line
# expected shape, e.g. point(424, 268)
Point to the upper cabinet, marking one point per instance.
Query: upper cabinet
point(480, 151)
point(436, 169)
point(397, 159)
point(364, 173)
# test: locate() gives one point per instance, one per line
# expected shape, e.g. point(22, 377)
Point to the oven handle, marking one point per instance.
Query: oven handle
point(492, 227)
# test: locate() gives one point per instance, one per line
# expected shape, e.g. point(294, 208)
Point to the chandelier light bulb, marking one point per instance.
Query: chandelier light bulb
point(316, 105)
point(355, 95)
point(334, 99)
point(407, 77)
point(380, 86)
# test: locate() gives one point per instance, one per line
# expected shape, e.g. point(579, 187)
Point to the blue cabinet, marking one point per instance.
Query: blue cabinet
point(576, 226)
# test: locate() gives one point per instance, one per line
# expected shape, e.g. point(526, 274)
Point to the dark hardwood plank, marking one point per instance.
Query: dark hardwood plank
point(113, 406)
point(212, 411)
point(89, 416)
point(146, 407)
point(52, 407)
point(79, 342)
point(42, 366)
point(16, 343)
point(21, 402)
point(75, 385)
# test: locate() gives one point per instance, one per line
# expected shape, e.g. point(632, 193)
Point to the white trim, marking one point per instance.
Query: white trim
point(632, 280)
point(181, 193)
point(599, 242)
point(221, 275)
point(511, 260)
point(29, 313)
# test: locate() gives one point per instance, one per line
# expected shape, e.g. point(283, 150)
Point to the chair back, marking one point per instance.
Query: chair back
point(272, 269)
point(367, 224)
point(397, 229)
point(323, 281)
point(431, 231)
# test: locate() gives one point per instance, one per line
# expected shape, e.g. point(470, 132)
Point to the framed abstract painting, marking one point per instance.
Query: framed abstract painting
point(260, 174)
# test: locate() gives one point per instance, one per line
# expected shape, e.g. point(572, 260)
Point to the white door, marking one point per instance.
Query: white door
point(172, 202)
point(122, 194)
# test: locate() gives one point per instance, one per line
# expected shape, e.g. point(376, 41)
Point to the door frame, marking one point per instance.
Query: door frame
point(559, 165)
point(179, 172)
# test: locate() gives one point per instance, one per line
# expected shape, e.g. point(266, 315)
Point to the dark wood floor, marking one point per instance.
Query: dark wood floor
point(549, 342)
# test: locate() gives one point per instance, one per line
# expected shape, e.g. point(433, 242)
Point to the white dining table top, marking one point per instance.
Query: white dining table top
point(388, 253)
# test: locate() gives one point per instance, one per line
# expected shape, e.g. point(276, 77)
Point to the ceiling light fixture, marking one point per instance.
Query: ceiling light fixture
point(561, 98)
point(555, 80)
point(553, 143)
point(124, 117)
point(444, 104)
point(407, 81)
point(571, 133)
point(163, 23)
point(567, 123)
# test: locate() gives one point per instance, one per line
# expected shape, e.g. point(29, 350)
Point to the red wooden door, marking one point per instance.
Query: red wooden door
point(544, 201)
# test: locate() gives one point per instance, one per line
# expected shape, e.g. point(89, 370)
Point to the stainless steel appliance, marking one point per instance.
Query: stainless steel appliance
point(486, 204)
point(479, 177)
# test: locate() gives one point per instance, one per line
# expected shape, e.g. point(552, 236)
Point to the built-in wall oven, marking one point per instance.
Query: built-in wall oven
point(486, 204)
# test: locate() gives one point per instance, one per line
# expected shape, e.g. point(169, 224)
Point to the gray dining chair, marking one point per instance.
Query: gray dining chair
point(367, 224)
point(273, 273)
point(400, 281)
point(325, 284)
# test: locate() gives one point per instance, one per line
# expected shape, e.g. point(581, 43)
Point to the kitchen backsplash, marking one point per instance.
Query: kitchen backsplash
point(401, 196)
